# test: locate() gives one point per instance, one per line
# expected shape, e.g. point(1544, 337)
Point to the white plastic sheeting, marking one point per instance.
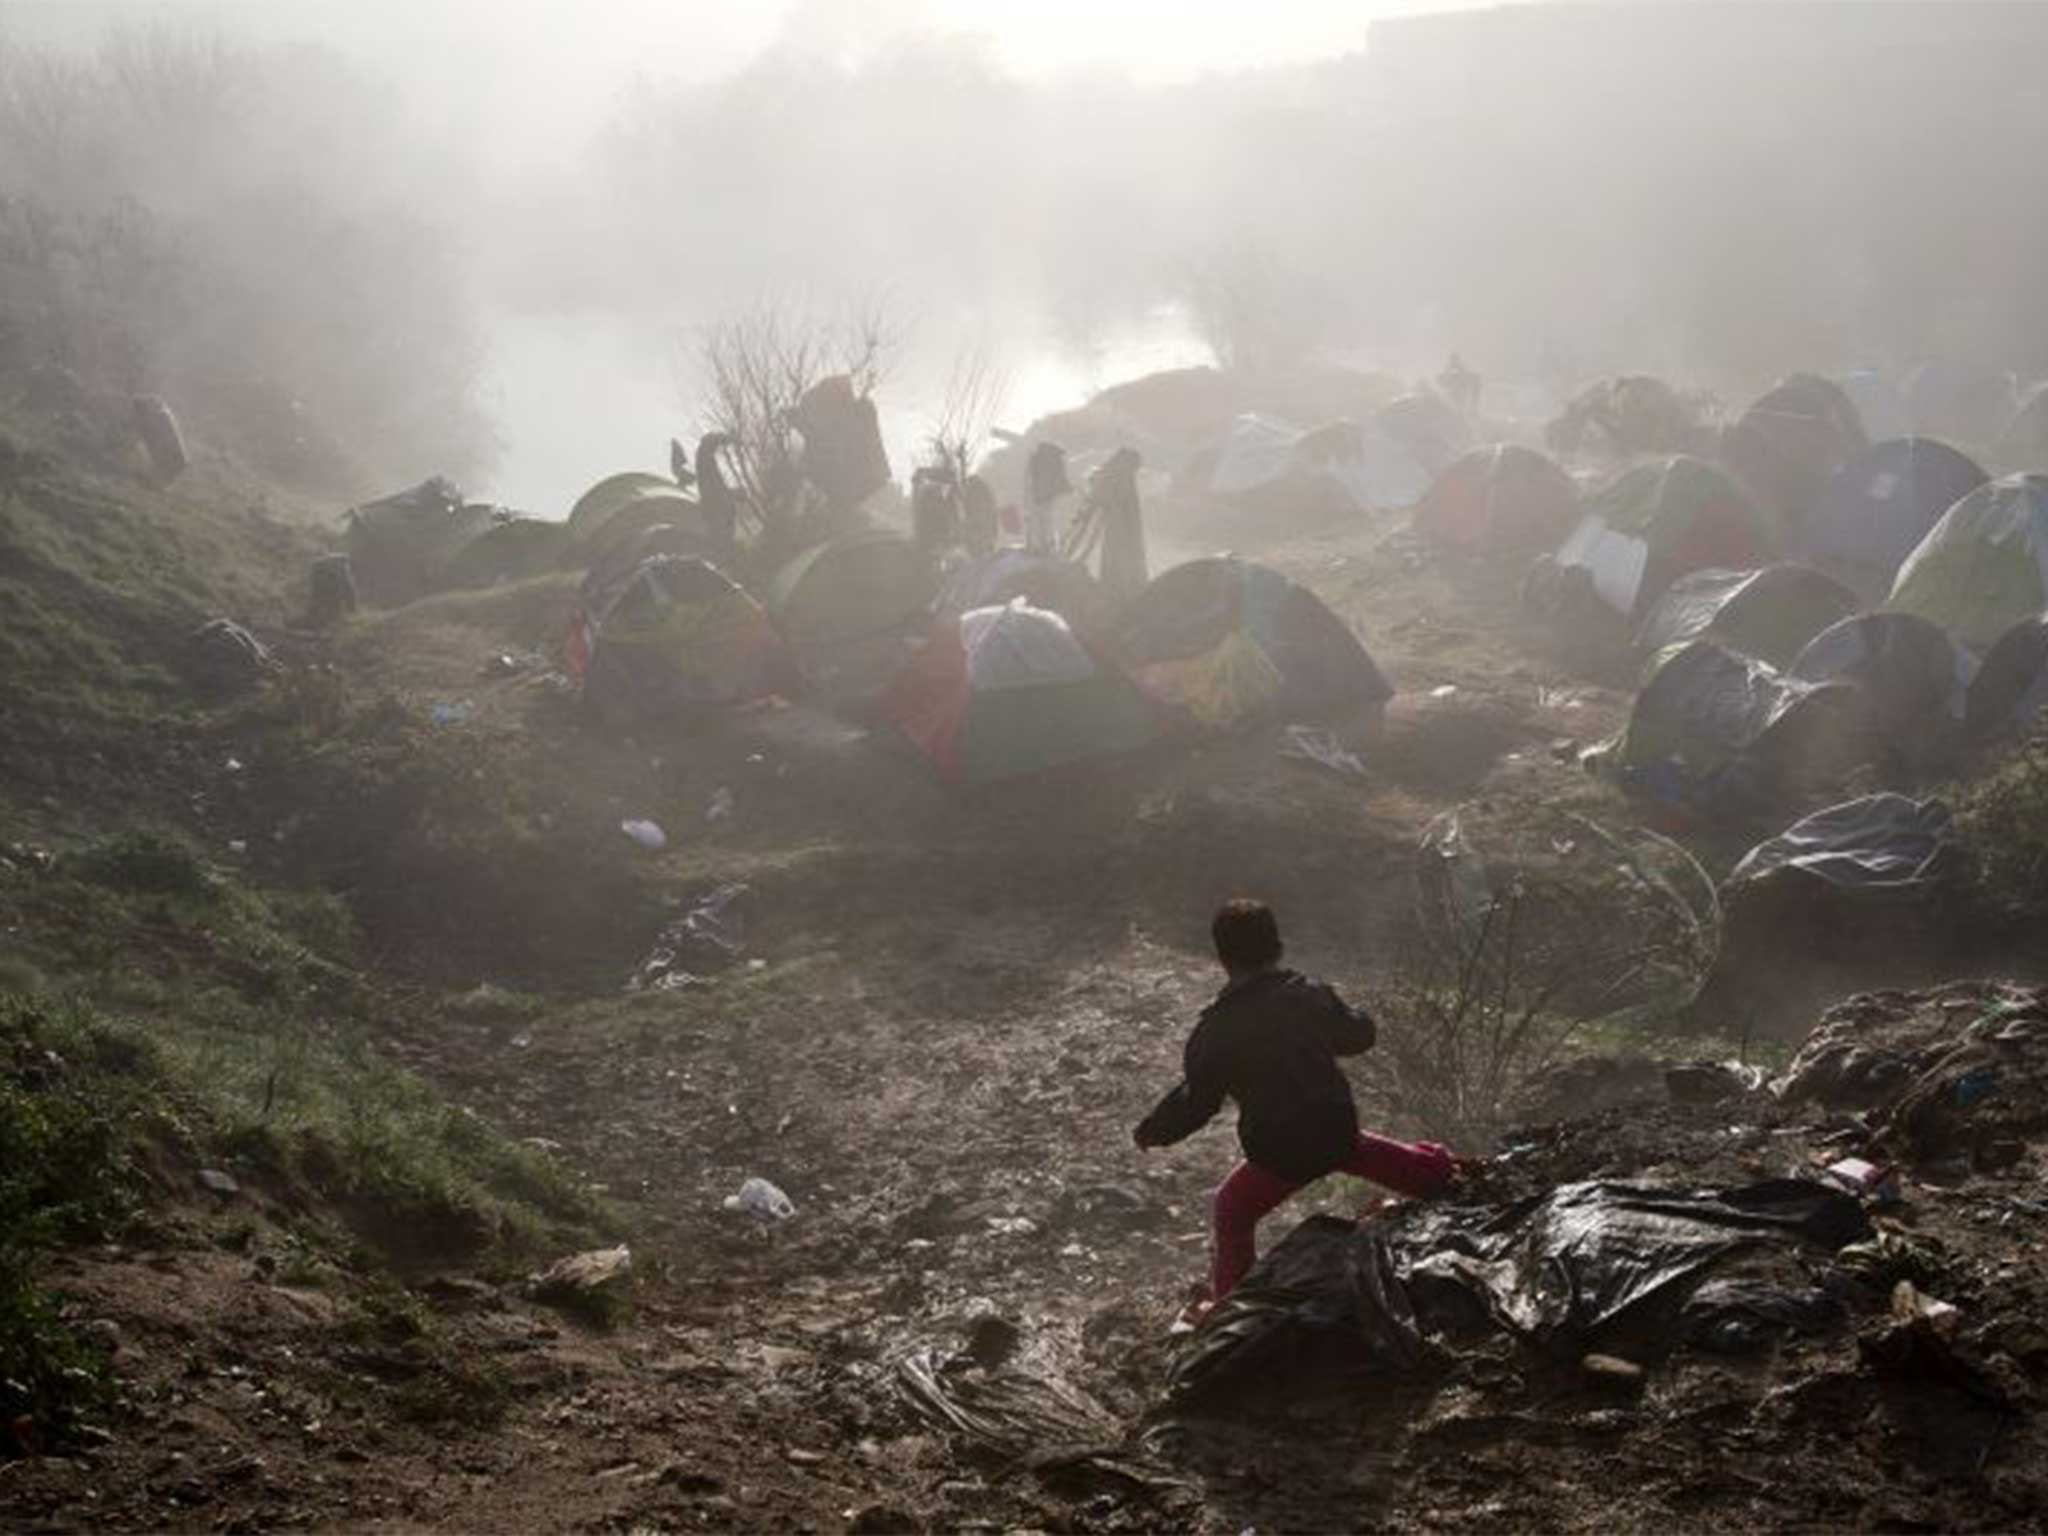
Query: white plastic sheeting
point(1615, 561)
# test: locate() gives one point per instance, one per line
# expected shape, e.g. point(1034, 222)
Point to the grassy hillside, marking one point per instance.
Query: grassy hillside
point(171, 1001)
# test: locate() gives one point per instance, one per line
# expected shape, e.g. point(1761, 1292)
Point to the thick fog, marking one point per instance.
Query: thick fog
point(374, 242)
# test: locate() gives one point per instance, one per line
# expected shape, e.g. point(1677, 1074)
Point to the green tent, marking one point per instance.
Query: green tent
point(1984, 567)
point(603, 501)
point(851, 589)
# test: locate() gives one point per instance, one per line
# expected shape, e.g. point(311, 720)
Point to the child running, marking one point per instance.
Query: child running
point(1270, 1041)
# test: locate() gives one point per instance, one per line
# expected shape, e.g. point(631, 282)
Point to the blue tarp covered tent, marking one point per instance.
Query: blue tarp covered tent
point(1880, 504)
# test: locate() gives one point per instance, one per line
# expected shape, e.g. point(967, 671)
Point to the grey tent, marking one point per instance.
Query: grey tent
point(2011, 688)
point(1916, 677)
point(1728, 735)
point(1769, 613)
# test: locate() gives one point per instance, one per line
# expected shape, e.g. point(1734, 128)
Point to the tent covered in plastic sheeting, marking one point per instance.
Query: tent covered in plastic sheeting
point(680, 635)
point(1881, 503)
point(1659, 520)
point(1984, 566)
point(1879, 848)
point(1853, 897)
point(1043, 581)
point(999, 693)
point(1502, 498)
point(1790, 442)
point(1269, 464)
point(1582, 1266)
point(1916, 677)
point(1769, 614)
point(399, 544)
point(1729, 734)
point(2011, 688)
point(1222, 642)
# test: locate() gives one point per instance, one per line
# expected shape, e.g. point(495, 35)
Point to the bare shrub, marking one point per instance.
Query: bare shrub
point(752, 367)
point(976, 390)
point(1503, 969)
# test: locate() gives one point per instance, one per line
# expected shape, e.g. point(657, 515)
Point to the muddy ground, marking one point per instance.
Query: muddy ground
point(951, 1011)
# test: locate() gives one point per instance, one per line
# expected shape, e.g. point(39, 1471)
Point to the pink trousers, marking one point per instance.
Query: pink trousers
point(1407, 1168)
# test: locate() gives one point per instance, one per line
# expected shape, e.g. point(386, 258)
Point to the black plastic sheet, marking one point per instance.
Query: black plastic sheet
point(1555, 1272)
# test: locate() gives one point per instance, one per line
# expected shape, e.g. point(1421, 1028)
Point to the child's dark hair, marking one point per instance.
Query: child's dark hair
point(1247, 935)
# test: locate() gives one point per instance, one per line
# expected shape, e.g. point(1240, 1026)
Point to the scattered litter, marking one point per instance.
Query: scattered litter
point(1315, 744)
point(710, 937)
point(1012, 1226)
point(219, 1183)
point(583, 1275)
point(647, 834)
point(721, 804)
point(1612, 1371)
point(1443, 690)
point(760, 1198)
point(453, 714)
point(233, 765)
point(1910, 1303)
point(1871, 1181)
point(237, 846)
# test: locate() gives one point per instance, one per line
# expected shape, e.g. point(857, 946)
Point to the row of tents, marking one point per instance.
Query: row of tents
point(1008, 665)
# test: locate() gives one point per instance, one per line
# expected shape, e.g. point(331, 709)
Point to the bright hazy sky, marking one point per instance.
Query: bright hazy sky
point(1154, 39)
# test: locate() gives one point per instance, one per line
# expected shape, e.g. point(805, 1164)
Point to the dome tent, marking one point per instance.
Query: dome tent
point(2011, 688)
point(1984, 566)
point(1223, 642)
point(850, 589)
point(1916, 677)
point(1659, 520)
point(680, 635)
point(1788, 444)
point(1769, 613)
point(511, 548)
point(399, 544)
point(1043, 581)
point(1269, 465)
point(1881, 503)
point(1501, 497)
point(598, 505)
point(1730, 733)
point(1000, 693)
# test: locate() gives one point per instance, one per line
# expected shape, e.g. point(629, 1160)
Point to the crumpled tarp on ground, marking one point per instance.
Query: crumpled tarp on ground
point(1027, 1420)
point(709, 937)
point(1556, 1271)
point(1881, 847)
